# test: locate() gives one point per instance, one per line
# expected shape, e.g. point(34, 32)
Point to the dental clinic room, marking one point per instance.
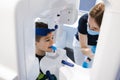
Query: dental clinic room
point(60, 40)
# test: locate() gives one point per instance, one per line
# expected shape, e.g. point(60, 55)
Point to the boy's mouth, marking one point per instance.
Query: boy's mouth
point(53, 48)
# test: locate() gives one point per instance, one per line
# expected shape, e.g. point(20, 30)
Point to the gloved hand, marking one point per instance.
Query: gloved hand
point(93, 49)
point(85, 64)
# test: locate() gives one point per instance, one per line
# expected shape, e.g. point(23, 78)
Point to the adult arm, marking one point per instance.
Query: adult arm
point(85, 49)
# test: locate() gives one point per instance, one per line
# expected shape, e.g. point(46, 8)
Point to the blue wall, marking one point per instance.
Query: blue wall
point(86, 5)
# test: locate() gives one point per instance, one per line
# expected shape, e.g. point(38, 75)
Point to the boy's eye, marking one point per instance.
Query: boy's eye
point(47, 40)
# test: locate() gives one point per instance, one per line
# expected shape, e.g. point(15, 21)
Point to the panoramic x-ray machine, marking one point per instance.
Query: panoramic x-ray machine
point(18, 24)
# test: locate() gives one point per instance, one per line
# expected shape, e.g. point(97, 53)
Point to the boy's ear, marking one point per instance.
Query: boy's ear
point(36, 43)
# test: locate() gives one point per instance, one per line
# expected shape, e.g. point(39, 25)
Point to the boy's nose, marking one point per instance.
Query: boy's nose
point(52, 42)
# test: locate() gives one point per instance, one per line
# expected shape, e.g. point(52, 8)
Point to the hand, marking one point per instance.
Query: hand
point(87, 52)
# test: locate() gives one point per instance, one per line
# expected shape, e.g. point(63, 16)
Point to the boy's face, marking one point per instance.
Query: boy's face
point(45, 43)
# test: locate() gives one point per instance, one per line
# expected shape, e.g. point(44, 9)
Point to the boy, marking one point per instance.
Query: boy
point(44, 41)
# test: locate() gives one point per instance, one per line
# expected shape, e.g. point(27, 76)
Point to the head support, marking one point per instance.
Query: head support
point(44, 31)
